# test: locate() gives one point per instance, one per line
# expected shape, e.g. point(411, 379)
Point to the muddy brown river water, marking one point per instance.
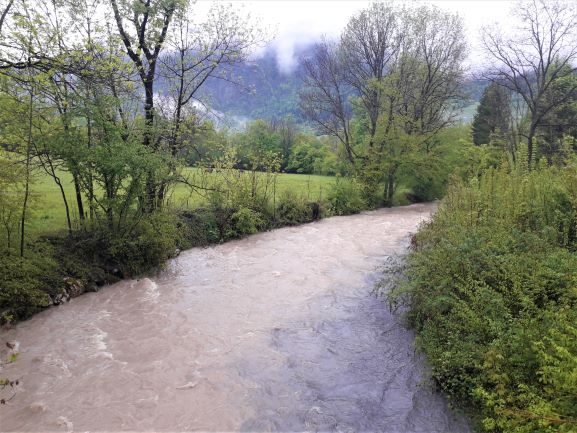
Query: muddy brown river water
point(276, 332)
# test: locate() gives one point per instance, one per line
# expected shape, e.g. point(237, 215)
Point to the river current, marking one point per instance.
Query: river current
point(280, 331)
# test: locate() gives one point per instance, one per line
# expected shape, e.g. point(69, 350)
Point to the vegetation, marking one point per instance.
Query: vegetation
point(497, 320)
point(493, 115)
point(491, 278)
point(111, 164)
point(385, 91)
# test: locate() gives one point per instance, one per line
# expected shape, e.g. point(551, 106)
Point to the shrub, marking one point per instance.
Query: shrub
point(345, 198)
point(292, 210)
point(150, 244)
point(497, 320)
point(27, 283)
point(245, 222)
point(197, 228)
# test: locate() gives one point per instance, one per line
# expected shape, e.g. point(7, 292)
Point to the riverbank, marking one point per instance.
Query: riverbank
point(59, 267)
point(491, 283)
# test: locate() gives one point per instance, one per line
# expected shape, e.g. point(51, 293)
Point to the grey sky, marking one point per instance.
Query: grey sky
point(298, 21)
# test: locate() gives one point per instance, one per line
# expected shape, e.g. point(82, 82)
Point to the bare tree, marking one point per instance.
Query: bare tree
point(541, 51)
point(429, 70)
point(5, 10)
point(325, 98)
point(370, 44)
point(200, 52)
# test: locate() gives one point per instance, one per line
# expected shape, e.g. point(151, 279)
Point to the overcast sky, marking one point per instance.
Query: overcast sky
point(297, 22)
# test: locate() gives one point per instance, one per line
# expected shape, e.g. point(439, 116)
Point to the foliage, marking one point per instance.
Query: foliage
point(493, 114)
point(345, 198)
point(292, 210)
point(11, 195)
point(533, 60)
point(497, 320)
point(197, 228)
point(309, 155)
point(26, 283)
point(150, 244)
point(245, 222)
point(374, 91)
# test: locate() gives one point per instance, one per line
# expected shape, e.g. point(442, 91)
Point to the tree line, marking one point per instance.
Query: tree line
point(531, 98)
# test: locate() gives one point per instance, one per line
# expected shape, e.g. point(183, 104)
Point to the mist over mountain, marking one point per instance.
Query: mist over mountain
point(261, 89)
point(264, 88)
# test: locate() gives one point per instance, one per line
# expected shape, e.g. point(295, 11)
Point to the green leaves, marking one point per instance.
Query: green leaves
point(492, 287)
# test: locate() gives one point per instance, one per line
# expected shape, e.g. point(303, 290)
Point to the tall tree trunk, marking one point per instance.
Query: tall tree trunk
point(27, 184)
point(78, 192)
point(148, 141)
point(90, 180)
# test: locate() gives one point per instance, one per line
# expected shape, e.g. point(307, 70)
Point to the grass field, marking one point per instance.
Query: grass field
point(48, 212)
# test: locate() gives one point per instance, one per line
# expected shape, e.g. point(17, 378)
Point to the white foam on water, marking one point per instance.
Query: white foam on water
point(151, 292)
point(62, 421)
point(99, 344)
point(38, 407)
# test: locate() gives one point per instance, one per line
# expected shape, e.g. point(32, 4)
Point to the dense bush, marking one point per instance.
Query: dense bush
point(345, 198)
point(498, 320)
point(292, 210)
point(150, 244)
point(245, 221)
point(197, 228)
point(26, 284)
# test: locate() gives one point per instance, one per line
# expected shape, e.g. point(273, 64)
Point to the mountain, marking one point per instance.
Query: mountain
point(266, 92)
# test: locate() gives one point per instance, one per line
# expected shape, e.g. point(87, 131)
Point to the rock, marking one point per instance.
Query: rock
point(75, 287)
point(61, 298)
point(92, 287)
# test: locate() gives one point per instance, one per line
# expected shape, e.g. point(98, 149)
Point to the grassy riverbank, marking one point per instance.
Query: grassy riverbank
point(49, 215)
point(492, 284)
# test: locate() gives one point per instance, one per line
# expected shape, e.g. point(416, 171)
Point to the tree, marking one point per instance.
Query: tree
point(398, 70)
point(201, 52)
point(493, 114)
point(151, 20)
point(325, 97)
point(540, 52)
point(560, 123)
point(370, 45)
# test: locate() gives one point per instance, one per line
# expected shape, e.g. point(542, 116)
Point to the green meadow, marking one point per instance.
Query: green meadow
point(48, 214)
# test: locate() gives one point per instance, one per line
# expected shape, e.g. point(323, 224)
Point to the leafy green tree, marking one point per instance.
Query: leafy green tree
point(558, 131)
point(308, 155)
point(404, 66)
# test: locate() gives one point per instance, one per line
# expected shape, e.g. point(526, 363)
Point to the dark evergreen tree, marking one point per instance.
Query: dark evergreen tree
point(493, 113)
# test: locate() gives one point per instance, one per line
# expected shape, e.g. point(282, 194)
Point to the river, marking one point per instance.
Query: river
point(276, 332)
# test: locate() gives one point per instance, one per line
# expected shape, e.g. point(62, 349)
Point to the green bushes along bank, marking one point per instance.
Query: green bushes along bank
point(492, 284)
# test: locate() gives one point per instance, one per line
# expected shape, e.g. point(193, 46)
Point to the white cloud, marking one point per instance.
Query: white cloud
point(298, 22)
